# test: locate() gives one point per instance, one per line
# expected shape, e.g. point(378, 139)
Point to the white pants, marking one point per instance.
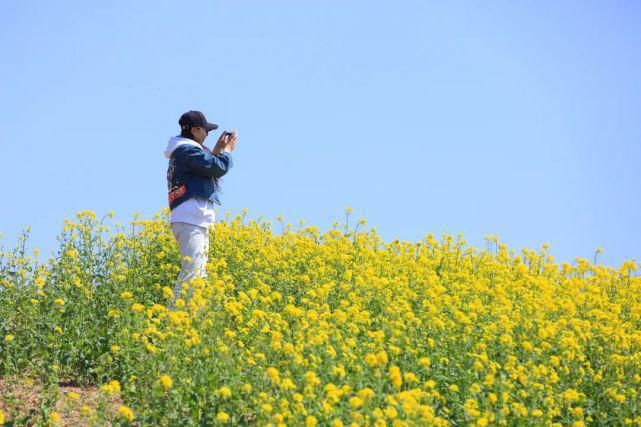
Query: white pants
point(193, 242)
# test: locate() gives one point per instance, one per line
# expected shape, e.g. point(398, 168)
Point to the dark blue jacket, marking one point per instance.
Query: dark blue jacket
point(194, 171)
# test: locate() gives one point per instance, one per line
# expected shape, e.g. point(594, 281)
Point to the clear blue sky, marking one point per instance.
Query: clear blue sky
point(520, 119)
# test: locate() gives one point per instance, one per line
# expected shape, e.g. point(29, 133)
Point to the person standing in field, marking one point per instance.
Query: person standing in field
point(193, 184)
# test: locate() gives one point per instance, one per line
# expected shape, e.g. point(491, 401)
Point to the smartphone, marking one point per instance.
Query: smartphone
point(227, 133)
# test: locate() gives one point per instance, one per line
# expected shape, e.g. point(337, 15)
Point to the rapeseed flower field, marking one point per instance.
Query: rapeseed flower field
point(302, 328)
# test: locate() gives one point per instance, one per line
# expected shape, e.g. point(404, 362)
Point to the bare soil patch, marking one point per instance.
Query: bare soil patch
point(25, 401)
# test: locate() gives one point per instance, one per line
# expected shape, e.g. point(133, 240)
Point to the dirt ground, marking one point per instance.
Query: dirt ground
point(26, 402)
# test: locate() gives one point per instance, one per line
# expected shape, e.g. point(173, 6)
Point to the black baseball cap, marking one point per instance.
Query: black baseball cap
point(192, 119)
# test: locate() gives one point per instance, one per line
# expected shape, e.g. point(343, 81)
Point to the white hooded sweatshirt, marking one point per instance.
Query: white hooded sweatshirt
point(195, 210)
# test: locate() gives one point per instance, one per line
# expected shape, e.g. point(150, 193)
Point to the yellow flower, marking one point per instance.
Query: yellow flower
point(72, 253)
point(310, 421)
point(390, 412)
point(471, 408)
point(273, 374)
point(302, 309)
point(355, 402)
point(165, 382)
point(395, 376)
point(1, 417)
point(287, 384)
point(338, 371)
point(167, 292)
point(222, 417)
point(493, 398)
point(88, 214)
point(366, 393)
point(39, 282)
point(410, 377)
point(381, 358)
point(570, 395)
point(72, 395)
point(112, 388)
point(224, 392)
point(126, 413)
point(55, 418)
point(371, 360)
point(489, 380)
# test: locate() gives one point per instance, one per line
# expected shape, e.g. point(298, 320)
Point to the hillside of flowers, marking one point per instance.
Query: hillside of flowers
point(301, 328)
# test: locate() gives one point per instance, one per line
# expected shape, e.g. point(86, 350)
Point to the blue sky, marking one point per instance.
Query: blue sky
point(519, 119)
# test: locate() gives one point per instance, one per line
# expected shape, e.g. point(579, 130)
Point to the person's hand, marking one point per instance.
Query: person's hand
point(226, 143)
point(231, 142)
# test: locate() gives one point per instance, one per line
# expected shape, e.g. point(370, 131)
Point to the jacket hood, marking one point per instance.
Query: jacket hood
point(177, 141)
